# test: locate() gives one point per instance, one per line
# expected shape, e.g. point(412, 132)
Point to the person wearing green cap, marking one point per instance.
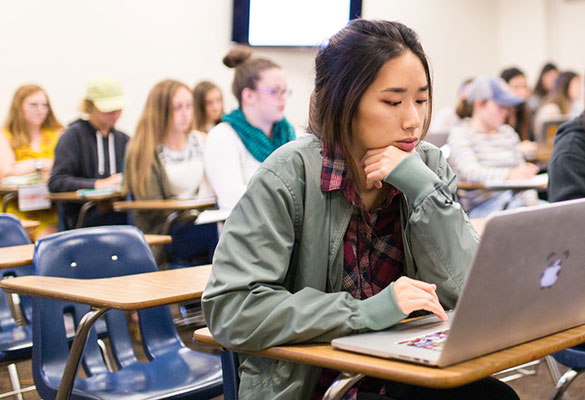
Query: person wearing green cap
point(90, 153)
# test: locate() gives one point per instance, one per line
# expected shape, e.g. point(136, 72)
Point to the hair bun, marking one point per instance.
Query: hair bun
point(236, 56)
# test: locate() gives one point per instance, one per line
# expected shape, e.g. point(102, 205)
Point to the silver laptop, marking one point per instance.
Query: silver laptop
point(527, 280)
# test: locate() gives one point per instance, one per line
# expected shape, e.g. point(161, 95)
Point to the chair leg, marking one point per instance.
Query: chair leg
point(553, 368)
point(15, 380)
point(342, 384)
point(563, 383)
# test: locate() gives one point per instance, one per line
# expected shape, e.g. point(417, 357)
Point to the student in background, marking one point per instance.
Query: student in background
point(340, 230)
point(449, 117)
point(236, 147)
point(519, 117)
point(546, 80)
point(562, 102)
point(485, 148)
point(27, 142)
point(165, 156)
point(208, 106)
point(90, 153)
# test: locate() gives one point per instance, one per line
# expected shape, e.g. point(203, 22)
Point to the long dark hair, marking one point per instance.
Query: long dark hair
point(539, 89)
point(520, 114)
point(346, 67)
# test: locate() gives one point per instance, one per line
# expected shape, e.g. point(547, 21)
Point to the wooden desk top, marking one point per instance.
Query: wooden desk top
point(129, 292)
point(8, 189)
point(474, 186)
point(324, 355)
point(18, 256)
point(28, 224)
point(159, 205)
point(74, 197)
point(479, 224)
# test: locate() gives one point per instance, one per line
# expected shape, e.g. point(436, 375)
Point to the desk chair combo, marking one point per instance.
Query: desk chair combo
point(15, 312)
point(172, 371)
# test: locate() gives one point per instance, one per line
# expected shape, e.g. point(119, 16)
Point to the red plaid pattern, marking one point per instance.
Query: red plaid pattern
point(372, 249)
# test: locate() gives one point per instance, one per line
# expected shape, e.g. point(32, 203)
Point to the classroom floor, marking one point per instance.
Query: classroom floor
point(534, 387)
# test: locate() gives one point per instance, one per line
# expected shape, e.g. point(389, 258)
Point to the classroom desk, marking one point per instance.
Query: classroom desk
point(130, 292)
point(479, 224)
point(28, 224)
point(88, 202)
point(462, 185)
point(164, 205)
point(18, 256)
point(356, 366)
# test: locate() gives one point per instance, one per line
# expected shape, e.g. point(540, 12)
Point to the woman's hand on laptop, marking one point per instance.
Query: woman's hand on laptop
point(413, 295)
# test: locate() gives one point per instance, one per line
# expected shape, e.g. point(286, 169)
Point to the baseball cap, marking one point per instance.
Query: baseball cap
point(106, 93)
point(492, 88)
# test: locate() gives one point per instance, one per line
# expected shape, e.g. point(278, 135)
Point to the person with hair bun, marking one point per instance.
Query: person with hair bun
point(248, 135)
point(352, 227)
point(207, 105)
point(27, 143)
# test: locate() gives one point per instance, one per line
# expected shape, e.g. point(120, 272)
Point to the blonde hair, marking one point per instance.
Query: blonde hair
point(151, 130)
point(15, 123)
point(199, 93)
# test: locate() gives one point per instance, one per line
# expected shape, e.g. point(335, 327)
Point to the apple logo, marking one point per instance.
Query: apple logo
point(551, 273)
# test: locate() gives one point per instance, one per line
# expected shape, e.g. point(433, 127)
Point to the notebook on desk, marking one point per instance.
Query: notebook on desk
point(526, 281)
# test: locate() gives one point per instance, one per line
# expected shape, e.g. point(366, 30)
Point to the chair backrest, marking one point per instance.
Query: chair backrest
point(93, 253)
point(15, 339)
point(192, 244)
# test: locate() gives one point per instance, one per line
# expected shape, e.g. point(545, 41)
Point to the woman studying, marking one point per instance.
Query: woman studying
point(351, 228)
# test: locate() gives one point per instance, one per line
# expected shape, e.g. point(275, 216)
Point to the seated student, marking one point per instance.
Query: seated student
point(236, 147)
point(27, 143)
point(165, 156)
point(519, 116)
point(449, 117)
point(207, 105)
point(90, 153)
point(562, 102)
point(546, 80)
point(340, 231)
point(485, 148)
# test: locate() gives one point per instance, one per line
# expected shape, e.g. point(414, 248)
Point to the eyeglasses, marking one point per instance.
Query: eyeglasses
point(276, 92)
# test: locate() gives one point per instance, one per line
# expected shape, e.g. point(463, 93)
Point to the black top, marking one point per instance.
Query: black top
point(75, 165)
point(566, 171)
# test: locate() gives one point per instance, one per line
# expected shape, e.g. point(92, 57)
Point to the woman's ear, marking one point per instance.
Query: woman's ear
point(248, 96)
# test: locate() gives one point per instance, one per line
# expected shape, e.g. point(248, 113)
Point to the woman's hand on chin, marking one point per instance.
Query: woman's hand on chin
point(378, 163)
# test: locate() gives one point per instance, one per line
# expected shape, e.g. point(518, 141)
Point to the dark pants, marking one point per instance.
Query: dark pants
point(485, 389)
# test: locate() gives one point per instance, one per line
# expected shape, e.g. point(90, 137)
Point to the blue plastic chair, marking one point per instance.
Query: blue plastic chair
point(574, 358)
point(172, 371)
point(191, 244)
point(15, 335)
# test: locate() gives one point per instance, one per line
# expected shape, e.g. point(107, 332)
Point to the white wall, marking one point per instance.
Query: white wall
point(60, 44)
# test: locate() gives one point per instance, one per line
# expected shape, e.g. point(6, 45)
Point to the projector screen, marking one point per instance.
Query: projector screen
point(290, 22)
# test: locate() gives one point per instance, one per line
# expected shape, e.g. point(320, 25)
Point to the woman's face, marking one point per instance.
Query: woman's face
point(574, 90)
point(549, 78)
point(392, 110)
point(492, 115)
point(35, 109)
point(213, 105)
point(518, 86)
point(270, 95)
point(182, 108)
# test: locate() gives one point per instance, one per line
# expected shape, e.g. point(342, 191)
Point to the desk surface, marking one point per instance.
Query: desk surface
point(74, 197)
point(28, 224)
point(324, 355)
point(8, 189)
point(164, 204)
point(479, 224)
point(18, 256)
point(129, 292)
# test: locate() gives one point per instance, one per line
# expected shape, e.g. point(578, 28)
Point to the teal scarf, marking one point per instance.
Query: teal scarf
point(256, 142)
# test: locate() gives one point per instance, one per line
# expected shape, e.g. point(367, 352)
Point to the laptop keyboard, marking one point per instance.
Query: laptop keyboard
point(431, 341)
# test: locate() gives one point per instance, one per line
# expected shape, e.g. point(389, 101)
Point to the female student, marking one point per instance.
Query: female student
point(546, 80)
point(164, 159)
point(519, 116)
point(207, 105)
point(27, 143)
point(350, 228)
point(236, 147)
point(563, 101)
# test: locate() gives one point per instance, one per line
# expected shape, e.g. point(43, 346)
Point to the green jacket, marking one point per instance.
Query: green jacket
point(278, 266)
